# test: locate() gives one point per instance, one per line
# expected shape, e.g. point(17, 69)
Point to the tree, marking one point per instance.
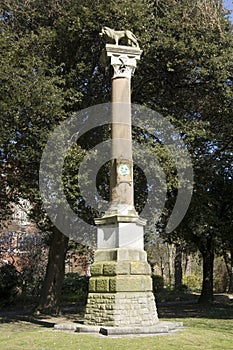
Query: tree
point(223, 191)
point(50, 294)
point(32, 101)
point(178, 267)
point(188, 77)
point(51, 64)
point(208, 223)
point(51, 69)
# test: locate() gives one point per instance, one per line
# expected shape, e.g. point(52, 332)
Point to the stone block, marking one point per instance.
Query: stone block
point(123, 268)
point(102, 284)
point(130, 235)
point(110, 268)
point(119, 254)
point(116, 268)
point(92, 284)
point(140, 268)
point(128, 254)
point(120, 232)
point(131, 254)
point(96, 269)
point(113, 284)
point(130, 283)
point(105, 255)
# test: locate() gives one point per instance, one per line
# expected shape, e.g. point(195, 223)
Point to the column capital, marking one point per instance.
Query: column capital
point(123, 59)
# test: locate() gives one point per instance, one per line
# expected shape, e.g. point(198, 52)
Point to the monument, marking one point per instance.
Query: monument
point(120, 287)
point(120, 298)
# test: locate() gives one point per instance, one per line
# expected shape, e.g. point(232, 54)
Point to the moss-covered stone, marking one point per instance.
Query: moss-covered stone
point(138, 283)
point(102, 284)
point(92, 284)
point(123, 267)
point(106, 255)
point(120, 289)
point(110, 268)
point(97, 269)
point(121, 309)
point(140, 268)
point(116, 268)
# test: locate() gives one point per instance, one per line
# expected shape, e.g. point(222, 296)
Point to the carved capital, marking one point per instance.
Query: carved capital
point(123, 65)
point(123, 59)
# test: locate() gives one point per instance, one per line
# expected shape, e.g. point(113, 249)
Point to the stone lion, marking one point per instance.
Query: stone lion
point(114, 36)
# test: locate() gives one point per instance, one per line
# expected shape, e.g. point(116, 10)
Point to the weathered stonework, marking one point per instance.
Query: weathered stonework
point(121, 309)
point(120, 290)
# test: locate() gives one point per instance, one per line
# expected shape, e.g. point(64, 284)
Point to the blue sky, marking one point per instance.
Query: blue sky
point(229, 6)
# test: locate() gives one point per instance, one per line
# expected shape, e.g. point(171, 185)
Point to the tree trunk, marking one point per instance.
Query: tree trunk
point(52, 286)
point(178, 267)
point(230, 289)
point(208, 270)
point(162, 267)
point(228, 259)
point(169, 265)
point(188, 264)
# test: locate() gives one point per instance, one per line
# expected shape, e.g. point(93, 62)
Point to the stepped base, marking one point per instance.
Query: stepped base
point(161, 327)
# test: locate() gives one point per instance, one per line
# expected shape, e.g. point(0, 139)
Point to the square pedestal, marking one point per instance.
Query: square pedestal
point(120, 289)
point(120, 235)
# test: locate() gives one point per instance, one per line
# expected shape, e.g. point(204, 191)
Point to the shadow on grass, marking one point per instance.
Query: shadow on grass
point(30, 319)
point(187, 306)
point(171, 306)
point(70, 312)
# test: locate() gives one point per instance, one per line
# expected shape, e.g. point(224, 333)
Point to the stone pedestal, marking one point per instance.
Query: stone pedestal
point(120, 231)
point(120, 289)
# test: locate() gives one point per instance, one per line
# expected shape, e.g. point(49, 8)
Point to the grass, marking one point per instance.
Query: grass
point(200, 334)
point(207, 328)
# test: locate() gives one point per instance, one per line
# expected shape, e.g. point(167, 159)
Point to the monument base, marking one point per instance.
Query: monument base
point(134, 309)
point(120, 290)
point(161, 327)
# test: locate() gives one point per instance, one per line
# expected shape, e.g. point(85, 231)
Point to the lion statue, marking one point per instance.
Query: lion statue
point(114, 36)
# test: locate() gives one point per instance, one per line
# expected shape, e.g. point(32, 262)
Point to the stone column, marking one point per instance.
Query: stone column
point(121, 225)
point(121, 180)
point(123, 59)
point(120, 287)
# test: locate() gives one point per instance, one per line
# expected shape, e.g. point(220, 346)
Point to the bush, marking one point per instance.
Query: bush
point(10, 283)
point(192, 282)
point(75, 285)
point(158, 283)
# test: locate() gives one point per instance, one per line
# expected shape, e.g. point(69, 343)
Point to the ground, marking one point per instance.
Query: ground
point(207, 327)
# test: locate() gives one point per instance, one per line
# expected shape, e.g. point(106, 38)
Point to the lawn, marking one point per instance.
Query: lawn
point(205, 328)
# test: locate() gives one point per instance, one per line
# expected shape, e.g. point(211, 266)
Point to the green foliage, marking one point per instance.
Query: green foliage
point(10, 283)
point(50, 69)
point(158, 283)
point(75, 286)
point(33, 272)
point(53, 69)
point(192, 282)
